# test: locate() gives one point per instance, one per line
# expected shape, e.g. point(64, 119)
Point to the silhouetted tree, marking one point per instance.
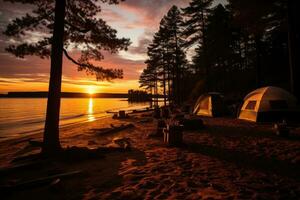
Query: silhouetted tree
point(196, 20)
point(166, 59)
point(149, 78)
point(294, 45)
point(175, 57)
point(259, 19)
point(246, 41)
point(66, 24)
point(138, 96)
point(219, 46)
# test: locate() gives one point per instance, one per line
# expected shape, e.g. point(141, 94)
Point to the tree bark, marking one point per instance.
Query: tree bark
point(151, 93)
point(164, 81)
point(169, 80)
point(293, 46)
point(177, 72)
point(164, 85)
point(169, 85)
point(51, 143)
point(204, 63)
point(258, 60)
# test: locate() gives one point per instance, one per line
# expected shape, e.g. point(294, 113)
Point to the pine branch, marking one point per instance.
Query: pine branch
point(100, 72)
point(77, 28)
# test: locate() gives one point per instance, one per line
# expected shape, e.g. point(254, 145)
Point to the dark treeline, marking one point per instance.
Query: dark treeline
point(235, 48)
point(138, 96)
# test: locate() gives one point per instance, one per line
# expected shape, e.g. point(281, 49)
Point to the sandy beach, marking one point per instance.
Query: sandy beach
point(228, 159)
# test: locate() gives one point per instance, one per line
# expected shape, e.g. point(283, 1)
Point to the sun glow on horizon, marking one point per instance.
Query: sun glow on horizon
point(91, 90)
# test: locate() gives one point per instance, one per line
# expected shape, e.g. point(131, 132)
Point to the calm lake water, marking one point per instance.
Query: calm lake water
point(24, 116)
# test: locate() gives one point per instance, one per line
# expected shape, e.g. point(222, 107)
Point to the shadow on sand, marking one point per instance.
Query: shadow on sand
point(98, 171)
point(248, 161)
point(230, 127)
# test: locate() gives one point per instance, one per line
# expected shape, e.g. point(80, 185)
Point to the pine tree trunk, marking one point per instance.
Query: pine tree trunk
point(169, 87)
point(293, 46)
point(164, 85)
point(177, 71)
point(51, 143)
point(258, 61)
point(169, 80)
point(204, 63)
point(151, 93)
point(164, 81)
point(173, 91)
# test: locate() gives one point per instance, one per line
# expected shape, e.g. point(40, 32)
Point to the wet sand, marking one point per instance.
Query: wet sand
point(228, 159)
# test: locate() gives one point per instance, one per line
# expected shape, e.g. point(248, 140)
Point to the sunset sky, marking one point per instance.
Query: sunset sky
point(134, 19)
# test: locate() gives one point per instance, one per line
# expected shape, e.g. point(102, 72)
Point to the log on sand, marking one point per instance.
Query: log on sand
point(114, 129)
point(38, 182)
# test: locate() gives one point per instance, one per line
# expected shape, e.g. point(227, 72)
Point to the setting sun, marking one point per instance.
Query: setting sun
point(91, 90)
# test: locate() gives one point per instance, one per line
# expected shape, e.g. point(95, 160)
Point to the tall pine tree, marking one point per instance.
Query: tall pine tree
point(166, 55)
point(66, 24)
point(196, 15)
point(175, 55)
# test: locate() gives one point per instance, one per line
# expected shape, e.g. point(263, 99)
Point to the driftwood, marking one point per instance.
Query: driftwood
point(39, 181)
point(30, 157)
point(147, 115)
point(131, 111)
point(115, 129)
point(141, 111)
point(23, 166)
point(121, 142)
point(100, 129)
point(35, 143)
point(21, 140)
point(145, 120)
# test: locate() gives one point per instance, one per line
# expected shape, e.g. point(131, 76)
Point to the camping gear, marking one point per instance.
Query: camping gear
point(122, 114)
point(173, 135)
point(211, 104)
point(178, 116)
point(186, 109)
point(281, 129)
point(192, 123)
point(161, 124)
point(165, 112)
point(157, 113)
point(269, 104)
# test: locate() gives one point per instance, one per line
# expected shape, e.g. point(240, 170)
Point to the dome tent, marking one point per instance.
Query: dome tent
point(210, 104)
point(269, 104)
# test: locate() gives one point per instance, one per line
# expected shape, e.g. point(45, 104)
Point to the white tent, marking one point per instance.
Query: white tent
point(210, 104)
point(268, 104)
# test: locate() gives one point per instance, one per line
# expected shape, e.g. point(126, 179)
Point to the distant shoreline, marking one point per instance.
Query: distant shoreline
point(63, 95)
point(68, 95)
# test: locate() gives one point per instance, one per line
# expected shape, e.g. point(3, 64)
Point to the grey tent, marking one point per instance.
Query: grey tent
point(210, 104)
point(269, 104)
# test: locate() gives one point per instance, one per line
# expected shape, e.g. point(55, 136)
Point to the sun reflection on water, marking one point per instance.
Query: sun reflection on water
point(91, 116)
